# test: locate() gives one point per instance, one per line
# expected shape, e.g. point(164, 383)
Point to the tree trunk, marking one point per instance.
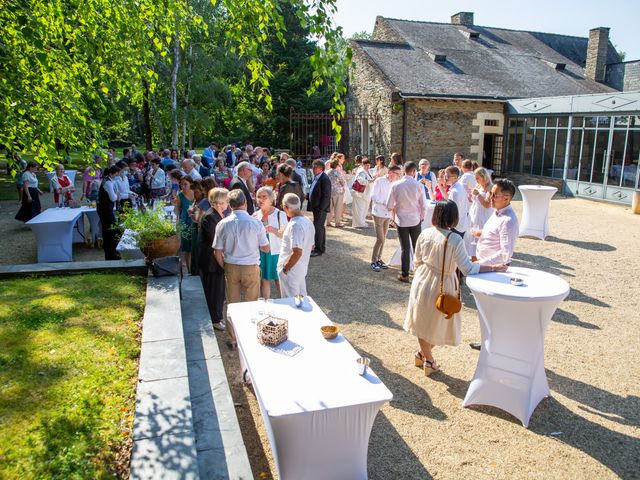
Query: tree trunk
point(148, 138)
point(174, 88)
point(186, 98)
point(156, 116)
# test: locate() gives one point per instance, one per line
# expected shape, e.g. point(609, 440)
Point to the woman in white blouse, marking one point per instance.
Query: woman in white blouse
point(156, 179)
point(274, 222)
point(30, 194)
point(361, 200)
point(480, 209)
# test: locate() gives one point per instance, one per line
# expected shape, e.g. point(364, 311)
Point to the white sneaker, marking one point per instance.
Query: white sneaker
point(220, 326)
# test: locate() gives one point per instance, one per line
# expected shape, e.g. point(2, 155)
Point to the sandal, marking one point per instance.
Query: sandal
point(430, 367)
point(419, 359)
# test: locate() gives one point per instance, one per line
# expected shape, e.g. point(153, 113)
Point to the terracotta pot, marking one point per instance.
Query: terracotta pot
point(165, 247)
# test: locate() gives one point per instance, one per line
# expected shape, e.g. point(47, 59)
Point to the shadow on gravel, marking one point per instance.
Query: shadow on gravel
point(615, 450)
point(568, 318)
point(595, 246)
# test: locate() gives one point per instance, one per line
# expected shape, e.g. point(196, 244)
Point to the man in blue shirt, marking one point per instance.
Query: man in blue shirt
point(209, 155)
point(166, 159)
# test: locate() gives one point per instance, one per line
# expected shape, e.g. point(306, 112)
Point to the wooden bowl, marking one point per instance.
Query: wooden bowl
point(329, 331)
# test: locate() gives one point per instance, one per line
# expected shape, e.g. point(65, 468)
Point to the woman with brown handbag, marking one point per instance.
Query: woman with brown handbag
point(438, 253)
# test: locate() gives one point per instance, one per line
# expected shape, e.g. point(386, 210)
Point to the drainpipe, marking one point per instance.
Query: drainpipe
point(405, 107)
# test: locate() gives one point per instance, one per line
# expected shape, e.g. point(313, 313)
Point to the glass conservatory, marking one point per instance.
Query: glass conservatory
point(582, 139)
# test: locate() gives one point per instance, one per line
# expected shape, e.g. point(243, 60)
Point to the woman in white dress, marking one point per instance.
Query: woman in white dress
point(423, 320)
point(361, 200)
point(480, 209)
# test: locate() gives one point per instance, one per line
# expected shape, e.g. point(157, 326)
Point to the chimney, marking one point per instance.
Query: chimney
point(463, 18)
point(597, 50)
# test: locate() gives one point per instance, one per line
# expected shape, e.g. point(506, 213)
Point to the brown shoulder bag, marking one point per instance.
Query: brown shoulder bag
point(447, 304)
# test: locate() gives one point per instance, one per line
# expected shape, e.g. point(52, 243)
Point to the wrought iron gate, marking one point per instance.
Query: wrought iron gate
point(311, 135)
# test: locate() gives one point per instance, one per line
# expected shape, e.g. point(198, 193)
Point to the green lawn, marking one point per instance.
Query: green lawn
point(69, 349)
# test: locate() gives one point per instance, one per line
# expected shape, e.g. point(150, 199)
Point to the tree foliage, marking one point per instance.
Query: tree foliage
point(71, 70)
point(64, 65)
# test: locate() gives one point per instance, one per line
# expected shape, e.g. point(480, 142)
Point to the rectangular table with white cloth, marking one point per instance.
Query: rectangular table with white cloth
point(318, 411)
point(55, 232)
point(513, 321)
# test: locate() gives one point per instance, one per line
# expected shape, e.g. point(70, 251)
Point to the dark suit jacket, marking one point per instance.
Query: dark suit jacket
point(320, 197)
point(237, 182)
point(289, 187)
point(206, 234)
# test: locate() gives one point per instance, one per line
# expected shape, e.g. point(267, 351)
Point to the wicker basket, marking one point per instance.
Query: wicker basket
point(272, 331)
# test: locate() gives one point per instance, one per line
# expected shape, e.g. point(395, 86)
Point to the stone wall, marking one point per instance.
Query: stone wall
point(436, 129)
point(624, 76)
point(384, 32)
point(369, 93)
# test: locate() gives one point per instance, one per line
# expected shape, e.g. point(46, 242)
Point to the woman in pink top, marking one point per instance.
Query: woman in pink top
point(91, 180)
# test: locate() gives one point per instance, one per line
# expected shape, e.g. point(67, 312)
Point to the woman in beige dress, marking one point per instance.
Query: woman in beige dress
point(423, 320)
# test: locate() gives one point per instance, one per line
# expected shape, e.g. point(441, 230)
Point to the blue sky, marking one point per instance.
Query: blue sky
point(568, 17)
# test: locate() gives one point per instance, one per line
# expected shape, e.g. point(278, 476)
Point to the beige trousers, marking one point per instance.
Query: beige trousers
point(335, 214)
point(382, 227)
point(242, 279)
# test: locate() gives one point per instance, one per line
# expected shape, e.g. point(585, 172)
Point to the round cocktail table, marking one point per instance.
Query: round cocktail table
point(513, 320)
point(535, 210)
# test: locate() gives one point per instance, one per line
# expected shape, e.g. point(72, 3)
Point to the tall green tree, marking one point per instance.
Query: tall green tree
point(65, 64)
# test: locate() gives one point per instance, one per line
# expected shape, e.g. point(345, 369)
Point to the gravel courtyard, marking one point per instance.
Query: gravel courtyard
point(591, 357)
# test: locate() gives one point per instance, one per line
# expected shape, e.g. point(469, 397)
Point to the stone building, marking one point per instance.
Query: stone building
point(431, 89)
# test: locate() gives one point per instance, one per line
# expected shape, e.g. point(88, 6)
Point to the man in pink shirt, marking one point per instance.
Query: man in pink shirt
point(408, 199)
point(497, 239)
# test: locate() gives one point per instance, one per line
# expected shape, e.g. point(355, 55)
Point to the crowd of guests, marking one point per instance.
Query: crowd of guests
point(242, 226)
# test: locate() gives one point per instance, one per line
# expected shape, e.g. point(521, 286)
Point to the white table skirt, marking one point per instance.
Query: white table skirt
point(128, 247)
point(513, 320)
point(535, 210)
point(396, 258)
point(318, 411)
point(55, 233)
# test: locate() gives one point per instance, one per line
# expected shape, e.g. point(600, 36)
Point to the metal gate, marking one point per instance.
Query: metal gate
point(311, 135)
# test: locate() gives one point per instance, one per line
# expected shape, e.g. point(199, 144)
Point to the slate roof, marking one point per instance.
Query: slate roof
point(500, 63)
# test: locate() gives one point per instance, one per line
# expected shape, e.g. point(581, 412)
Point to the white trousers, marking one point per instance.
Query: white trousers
point(292, 284)
point(359, 209)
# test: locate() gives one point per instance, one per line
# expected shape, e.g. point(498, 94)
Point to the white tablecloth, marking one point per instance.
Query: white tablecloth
point(535, 210)
point(396, 258)
point(513, 320)
point(55, 232)
point(318, 411)
point(128, 246)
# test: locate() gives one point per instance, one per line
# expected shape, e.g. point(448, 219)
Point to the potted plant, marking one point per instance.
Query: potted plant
point(155, 233)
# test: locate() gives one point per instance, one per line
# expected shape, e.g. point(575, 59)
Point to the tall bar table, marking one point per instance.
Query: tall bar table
point(513, 321)
point(535, 210)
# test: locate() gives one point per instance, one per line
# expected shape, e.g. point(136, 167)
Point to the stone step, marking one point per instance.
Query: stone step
point(221, 452)
point(164, 441)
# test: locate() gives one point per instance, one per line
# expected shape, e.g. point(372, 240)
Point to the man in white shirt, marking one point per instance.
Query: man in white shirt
point(295, 249)
point(237, 244)
point(458, 194)
point(188, 167)
point(410, 203)
point(381, 214)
